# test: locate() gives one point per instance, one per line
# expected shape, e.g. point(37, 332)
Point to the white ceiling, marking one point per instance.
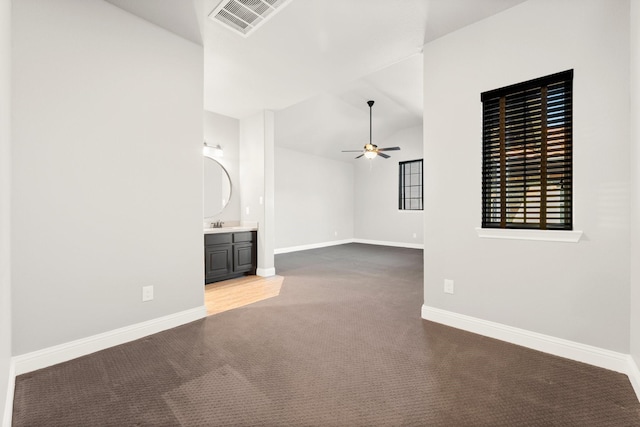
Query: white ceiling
point(178, 16)
point(337, 120)
point(312, 46)
point(317, 62)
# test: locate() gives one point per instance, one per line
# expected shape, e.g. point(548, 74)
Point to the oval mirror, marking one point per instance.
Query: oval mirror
point(217, 187)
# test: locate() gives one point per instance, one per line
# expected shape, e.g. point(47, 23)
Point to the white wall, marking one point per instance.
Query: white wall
point(314, 199)
point(5, 200)
point(319, 200)
point(635, 167)
point(257, 184)
point(107, 171)
point(223, 130)
point(578, 292)
point(376, 193)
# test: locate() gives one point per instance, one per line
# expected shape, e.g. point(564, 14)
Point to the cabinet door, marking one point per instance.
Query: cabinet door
point(243, 259)
point(218, 261)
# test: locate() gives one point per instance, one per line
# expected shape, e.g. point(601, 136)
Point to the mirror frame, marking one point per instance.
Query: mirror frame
point(230, 186)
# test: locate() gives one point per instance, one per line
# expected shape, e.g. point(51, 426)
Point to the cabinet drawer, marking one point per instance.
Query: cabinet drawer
point(217, 239)
point(245, 236)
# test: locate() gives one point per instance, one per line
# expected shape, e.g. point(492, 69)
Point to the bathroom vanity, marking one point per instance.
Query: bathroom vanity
point(229, 252)
point(230, 247)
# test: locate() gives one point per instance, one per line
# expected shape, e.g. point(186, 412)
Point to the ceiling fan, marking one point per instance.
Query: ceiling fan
point(371, 150)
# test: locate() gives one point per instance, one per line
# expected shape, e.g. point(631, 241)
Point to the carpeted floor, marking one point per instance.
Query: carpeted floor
point(343, 345)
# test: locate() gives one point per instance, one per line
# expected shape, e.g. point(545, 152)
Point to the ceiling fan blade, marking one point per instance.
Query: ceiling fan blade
point(351, 151)
point(360, 156)
point(384, 156)
point(389, 149)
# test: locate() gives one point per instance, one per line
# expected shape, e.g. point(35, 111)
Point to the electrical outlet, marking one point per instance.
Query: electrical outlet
point(448, 286)
point(147, 293)
point(247, 210)
point(415, 235)
point(335, 233)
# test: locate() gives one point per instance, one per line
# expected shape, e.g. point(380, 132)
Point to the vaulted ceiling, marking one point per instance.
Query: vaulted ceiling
point(317, 62)
point(313, 46)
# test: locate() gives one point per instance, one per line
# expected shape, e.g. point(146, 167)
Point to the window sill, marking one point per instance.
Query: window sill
point(410, 210)
point(540, 235)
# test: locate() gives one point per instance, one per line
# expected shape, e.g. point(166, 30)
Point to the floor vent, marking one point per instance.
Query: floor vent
point(244, 16)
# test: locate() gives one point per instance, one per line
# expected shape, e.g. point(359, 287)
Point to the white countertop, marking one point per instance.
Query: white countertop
point(232, 229)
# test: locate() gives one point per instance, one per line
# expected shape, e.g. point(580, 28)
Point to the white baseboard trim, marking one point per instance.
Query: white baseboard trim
point(11, 387)
point(596, 356)
point(266, 272)
point(61, 353)
point(394, 244)
point(311, 246)
point(346, 241)
point(634, 376)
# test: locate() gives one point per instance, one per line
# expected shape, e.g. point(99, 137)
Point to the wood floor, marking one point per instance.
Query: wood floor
point(234, 293)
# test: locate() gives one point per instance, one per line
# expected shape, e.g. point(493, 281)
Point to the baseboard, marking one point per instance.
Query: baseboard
point(61, 353)
point(394, 244)
point(634, 376)
point(266, 272)
point(11, 387)
point(596, 356)
point(344, 242)
point(311, 246)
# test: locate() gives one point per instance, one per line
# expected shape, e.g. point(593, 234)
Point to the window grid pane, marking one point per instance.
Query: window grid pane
point(410, 185)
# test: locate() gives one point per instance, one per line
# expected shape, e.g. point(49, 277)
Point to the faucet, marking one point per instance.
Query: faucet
point(217, 224)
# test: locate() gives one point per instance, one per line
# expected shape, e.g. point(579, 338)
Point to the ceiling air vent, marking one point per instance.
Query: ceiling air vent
point(244, 16)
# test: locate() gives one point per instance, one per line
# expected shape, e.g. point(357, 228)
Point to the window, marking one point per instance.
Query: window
point(527, 155)
point(411, 185)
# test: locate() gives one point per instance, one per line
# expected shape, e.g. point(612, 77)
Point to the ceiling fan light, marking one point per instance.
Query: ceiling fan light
point(370, 154)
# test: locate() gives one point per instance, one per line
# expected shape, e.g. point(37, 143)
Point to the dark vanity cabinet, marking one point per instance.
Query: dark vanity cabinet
point(229, 255)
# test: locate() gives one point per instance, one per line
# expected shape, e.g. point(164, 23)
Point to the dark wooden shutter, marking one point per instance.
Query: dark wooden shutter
point(527, 154)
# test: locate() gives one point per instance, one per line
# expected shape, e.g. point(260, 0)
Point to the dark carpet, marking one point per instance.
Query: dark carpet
point(343, 345)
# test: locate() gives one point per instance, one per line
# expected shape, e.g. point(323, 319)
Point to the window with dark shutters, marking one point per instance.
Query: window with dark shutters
point(527, 154)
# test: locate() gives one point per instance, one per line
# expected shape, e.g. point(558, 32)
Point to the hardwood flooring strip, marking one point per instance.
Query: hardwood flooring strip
point(234, 293)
